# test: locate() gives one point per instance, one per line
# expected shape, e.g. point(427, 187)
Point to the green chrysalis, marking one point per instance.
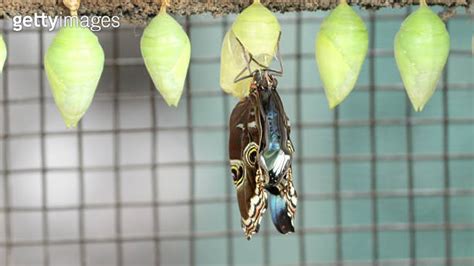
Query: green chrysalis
point(341, 47)
point(166, 50)
point(421, 51)
point(3, 53)
point(74, 64)
point(258, 30)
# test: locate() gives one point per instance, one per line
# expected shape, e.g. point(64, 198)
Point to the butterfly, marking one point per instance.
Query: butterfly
point(260, 153)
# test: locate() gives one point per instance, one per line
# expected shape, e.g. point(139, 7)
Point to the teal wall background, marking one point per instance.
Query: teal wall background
point(315, 167)
point(142, 184)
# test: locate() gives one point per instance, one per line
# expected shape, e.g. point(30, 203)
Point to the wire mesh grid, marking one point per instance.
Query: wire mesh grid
point(139, 183)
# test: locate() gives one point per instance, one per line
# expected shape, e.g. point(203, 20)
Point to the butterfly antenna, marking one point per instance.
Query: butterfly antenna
point(248, 57)
point(278, 58)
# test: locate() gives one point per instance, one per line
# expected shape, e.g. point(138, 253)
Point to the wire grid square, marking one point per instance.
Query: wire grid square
point(57, 220)
point(378, 184)
point(27, 187)
point(64, 255)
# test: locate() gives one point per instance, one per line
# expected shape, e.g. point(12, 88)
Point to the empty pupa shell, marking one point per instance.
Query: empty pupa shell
point(232, 63)
point(166, 51)
point(74, 64)
point(3, 53)
point(258, 30)
point(421, 51)
point(341, 47)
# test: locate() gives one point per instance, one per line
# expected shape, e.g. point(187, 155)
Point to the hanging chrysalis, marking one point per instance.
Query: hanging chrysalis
point(421, 51)
point(258, 30)
point(341, 47)
point(74, 64)
point(166, 51)
point(3, 53)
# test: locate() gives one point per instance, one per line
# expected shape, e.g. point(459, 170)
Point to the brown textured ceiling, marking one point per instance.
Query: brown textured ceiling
point(138, 11)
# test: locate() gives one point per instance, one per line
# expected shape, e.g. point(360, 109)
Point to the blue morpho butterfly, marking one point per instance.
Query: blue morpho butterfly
point(260, 152)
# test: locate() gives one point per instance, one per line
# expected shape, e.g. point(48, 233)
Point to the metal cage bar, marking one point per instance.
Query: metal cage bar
point(44, 188)
point(6, 177)
point(299, 135)
point(190, 129)
point(373, 147)
point(117, 149)
point(154, 174)
point(446, 181)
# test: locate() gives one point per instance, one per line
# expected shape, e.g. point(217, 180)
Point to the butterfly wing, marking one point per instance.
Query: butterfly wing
point(276, 157)
point(282, 204)
point(244, 141)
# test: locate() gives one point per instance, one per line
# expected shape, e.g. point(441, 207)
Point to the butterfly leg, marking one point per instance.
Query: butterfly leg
point(249, 58)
